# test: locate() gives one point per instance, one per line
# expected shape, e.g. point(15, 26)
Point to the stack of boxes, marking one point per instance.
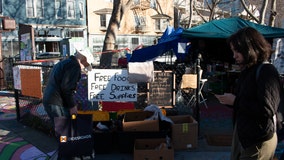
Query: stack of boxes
point(154, 144)
point(142, 135)
point(137, 125)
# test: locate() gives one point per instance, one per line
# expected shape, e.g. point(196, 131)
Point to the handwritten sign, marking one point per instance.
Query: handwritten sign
point(161, 91)
point(111, 85)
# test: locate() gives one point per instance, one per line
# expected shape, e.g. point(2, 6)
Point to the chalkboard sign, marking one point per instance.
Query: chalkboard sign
point(161, 91)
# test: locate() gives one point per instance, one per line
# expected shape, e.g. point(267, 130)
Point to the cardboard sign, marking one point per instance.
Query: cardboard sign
point(111, 85)
point(31, 82)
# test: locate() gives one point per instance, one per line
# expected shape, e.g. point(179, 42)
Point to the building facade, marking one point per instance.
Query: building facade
point(55, 22)
point(142, 24)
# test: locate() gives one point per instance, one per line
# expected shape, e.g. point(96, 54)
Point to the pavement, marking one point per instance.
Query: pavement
point(18, 141)
point(41, 142)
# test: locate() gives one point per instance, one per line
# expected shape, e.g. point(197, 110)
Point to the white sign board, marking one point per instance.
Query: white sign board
point(111, 85)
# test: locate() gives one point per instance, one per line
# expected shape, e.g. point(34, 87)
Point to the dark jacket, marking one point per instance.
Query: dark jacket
point(62, 83)
point(256, 103)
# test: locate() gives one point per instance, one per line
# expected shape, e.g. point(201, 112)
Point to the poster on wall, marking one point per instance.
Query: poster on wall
point(111, 85)
point(25, 46)
point(26, 42)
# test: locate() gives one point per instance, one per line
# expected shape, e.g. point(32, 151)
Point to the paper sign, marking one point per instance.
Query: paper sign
point(111, 85)
point(181, 48)
point(17, 78)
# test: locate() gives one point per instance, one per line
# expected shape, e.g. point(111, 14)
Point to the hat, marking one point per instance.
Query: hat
point(87, 53)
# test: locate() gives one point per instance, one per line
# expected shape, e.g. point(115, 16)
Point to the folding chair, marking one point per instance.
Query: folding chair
point(189, 81)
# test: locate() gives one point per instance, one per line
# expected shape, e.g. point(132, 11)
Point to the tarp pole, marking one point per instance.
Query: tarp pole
point(197, 108)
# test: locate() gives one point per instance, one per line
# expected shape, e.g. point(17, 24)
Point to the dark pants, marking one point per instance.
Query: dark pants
point(56, 111)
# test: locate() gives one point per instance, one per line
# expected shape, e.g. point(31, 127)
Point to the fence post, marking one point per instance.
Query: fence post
point(17, 104)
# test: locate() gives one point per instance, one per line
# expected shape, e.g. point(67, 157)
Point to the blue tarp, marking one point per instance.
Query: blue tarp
point(168, 41)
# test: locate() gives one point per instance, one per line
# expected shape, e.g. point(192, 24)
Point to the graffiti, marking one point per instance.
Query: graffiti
point(18, 148)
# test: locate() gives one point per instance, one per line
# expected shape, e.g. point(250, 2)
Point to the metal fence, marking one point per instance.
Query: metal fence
point(30, 109)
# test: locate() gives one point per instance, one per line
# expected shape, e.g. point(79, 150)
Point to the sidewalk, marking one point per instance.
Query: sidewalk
point(18, 141)
point(40, 145)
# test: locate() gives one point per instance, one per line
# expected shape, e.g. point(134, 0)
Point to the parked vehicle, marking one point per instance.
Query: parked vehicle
point(48, 55)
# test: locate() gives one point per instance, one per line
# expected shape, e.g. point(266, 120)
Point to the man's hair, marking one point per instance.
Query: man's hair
point(251, 44)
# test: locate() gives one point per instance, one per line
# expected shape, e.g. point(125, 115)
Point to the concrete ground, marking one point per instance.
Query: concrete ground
point(214, 120)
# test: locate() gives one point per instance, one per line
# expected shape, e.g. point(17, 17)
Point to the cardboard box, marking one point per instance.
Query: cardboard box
point(126, 140)
point(184, 132)
point(103, 141)
point(137, 121)
point(152, 149)
point(97, 115)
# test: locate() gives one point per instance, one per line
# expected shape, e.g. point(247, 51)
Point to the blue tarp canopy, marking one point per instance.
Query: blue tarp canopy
point(223, 28)
point(169, 41)
point(220, 29)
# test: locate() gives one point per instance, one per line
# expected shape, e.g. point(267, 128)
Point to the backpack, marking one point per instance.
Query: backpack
point(280, 110)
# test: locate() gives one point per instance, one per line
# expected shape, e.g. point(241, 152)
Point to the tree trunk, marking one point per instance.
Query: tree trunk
point(110, 38)
point(190, 13)
point(273, 13)
point(263, 11)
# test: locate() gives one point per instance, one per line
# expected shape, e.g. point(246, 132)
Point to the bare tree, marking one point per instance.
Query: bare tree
point(263, 11)
point(119, 8)
point(213, 9)
point(262, 19)
point(273, 13)
point(190, 13)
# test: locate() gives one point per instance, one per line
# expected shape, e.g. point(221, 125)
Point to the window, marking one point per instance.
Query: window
point(161, 24)
point(134, 42)
point(76, 34)
point(70, 9)
point(105, 14)
point(139, 21)
point(81, 7)
point(1, 7)
point(103, 20)
point(157, 24)
point(34, 8)
point(58, 9)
